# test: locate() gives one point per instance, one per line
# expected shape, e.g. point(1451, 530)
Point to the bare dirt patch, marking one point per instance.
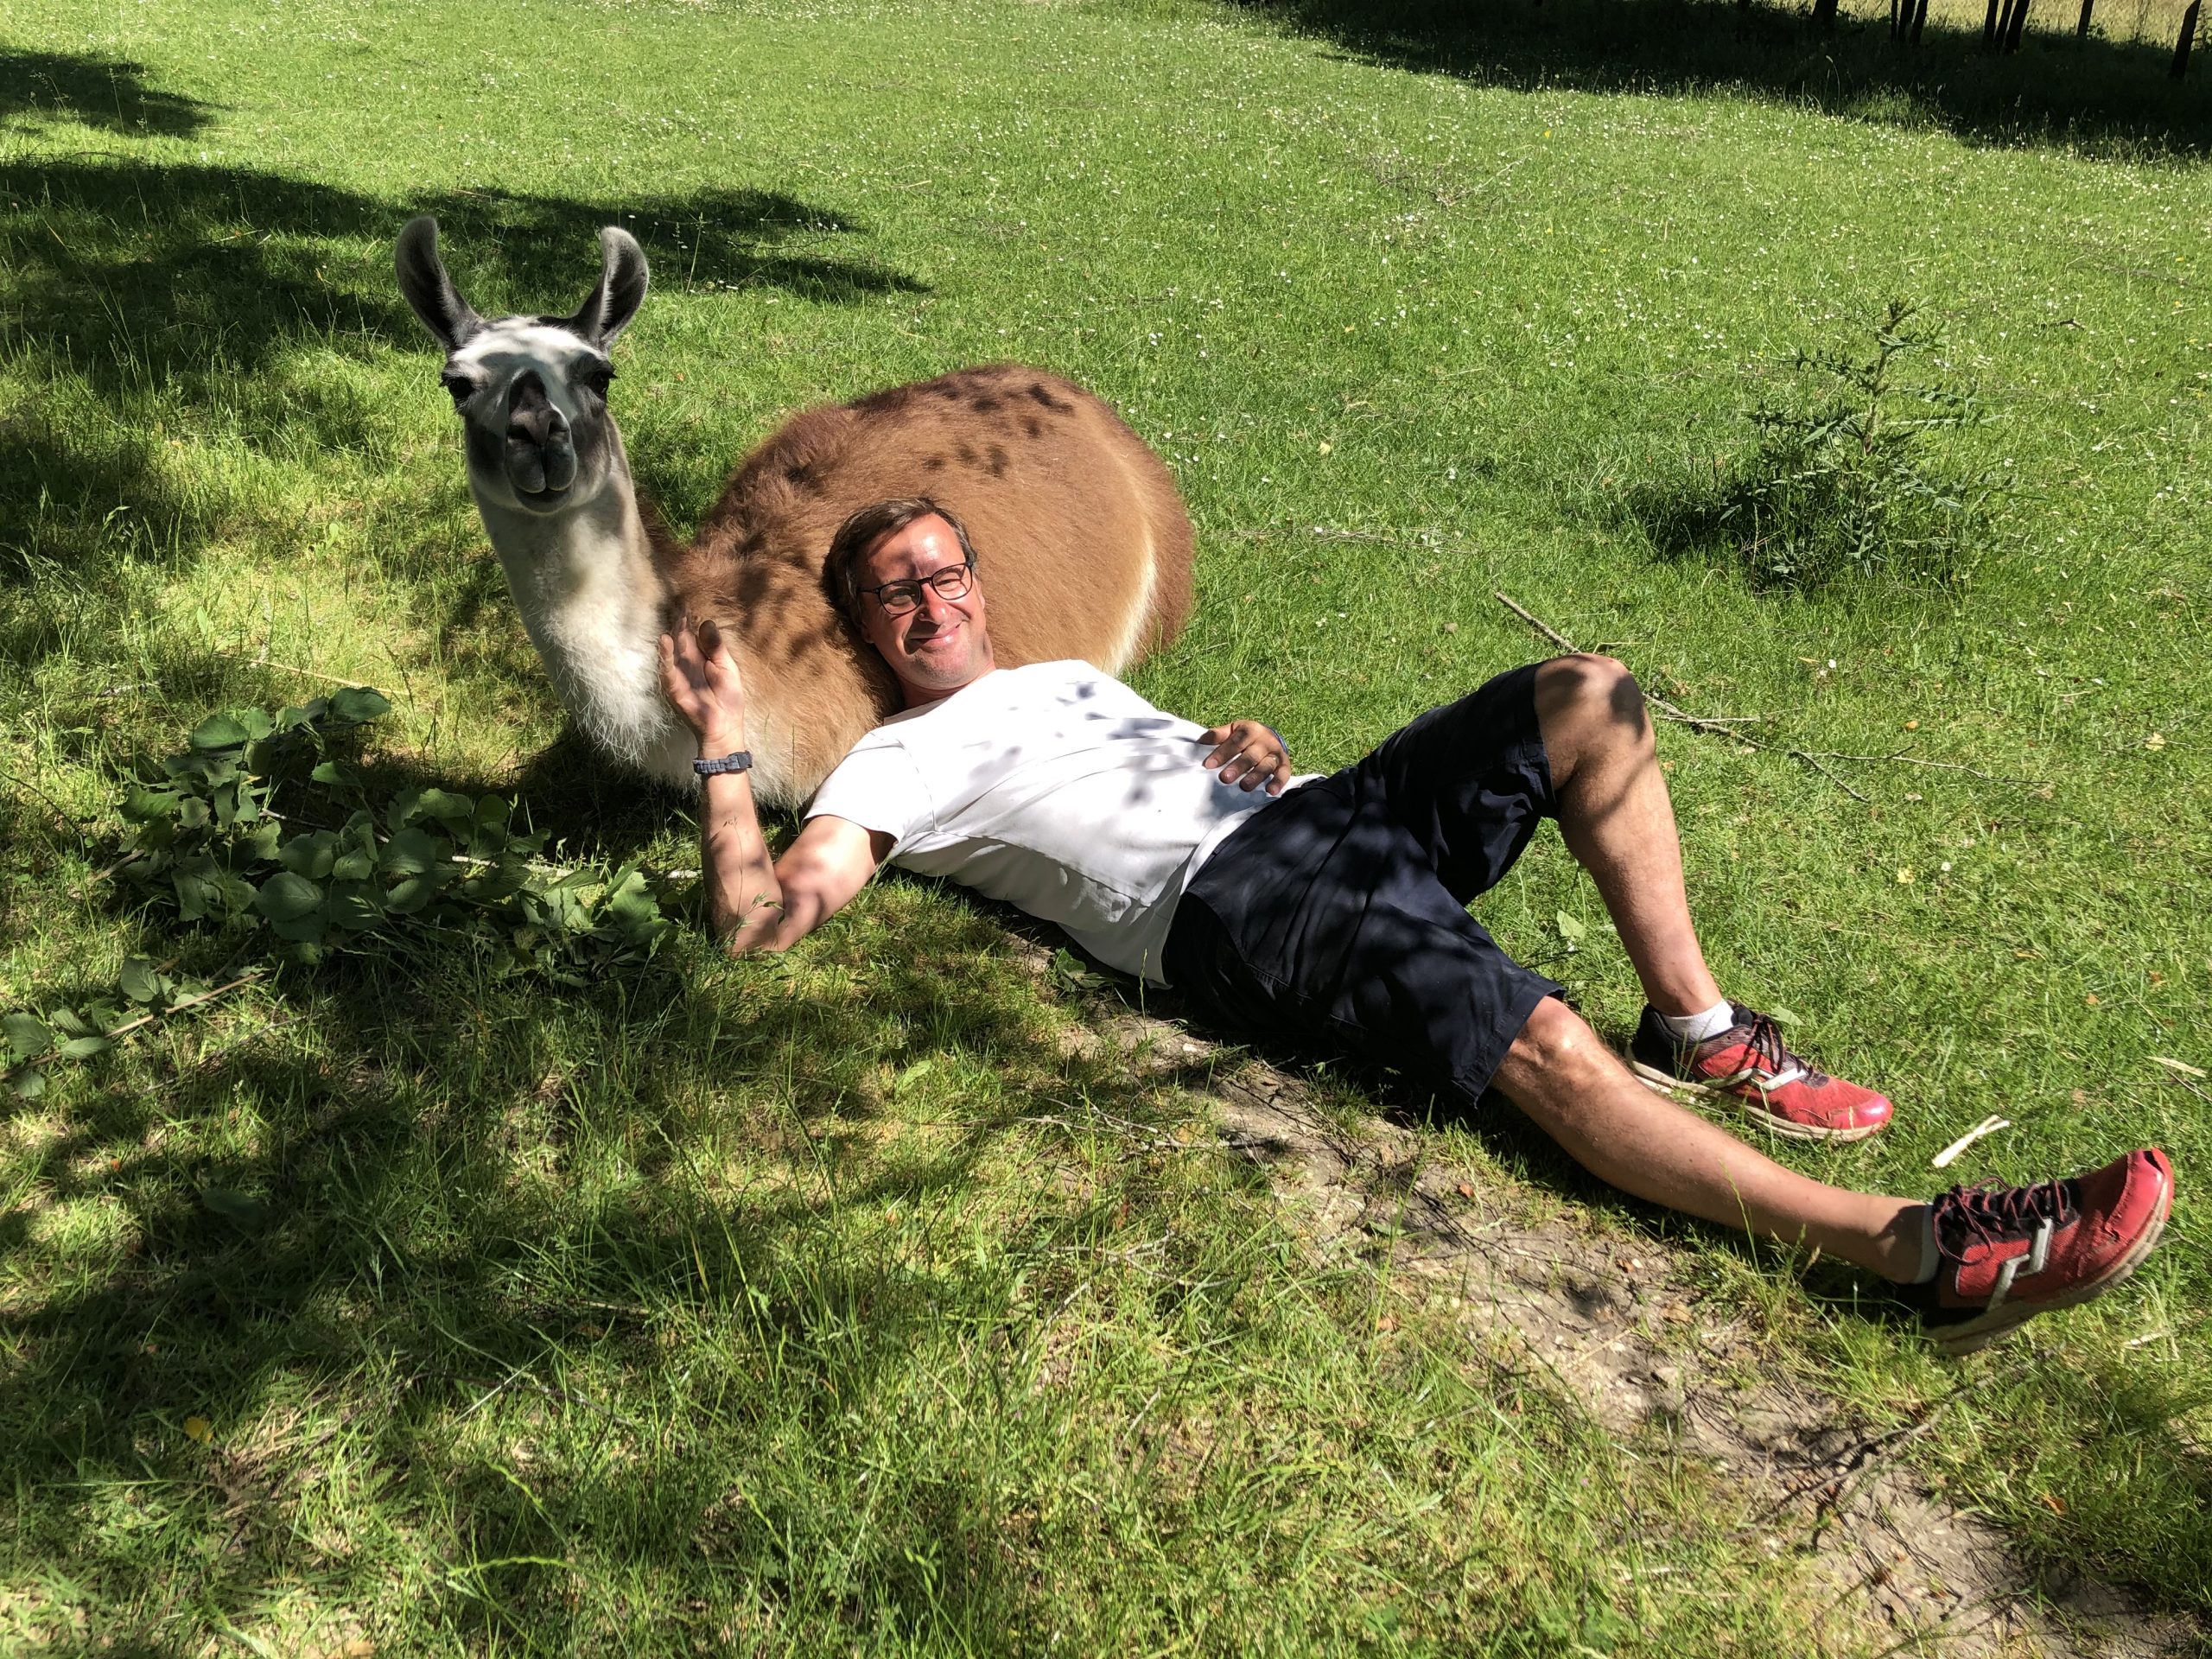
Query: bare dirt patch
point(1622, 1335)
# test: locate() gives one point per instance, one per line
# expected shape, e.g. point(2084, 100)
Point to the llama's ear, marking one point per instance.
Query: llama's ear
point(423, 279)
point(621, 289)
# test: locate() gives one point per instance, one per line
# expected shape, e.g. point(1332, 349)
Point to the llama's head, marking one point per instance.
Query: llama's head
point(531, 391)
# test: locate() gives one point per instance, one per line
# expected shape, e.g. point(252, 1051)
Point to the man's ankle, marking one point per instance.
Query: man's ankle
point(1697, 1027)
point(1909, 1258)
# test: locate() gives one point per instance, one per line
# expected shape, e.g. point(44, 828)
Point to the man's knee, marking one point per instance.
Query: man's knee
point(1556, 1047)
point(1587, 701)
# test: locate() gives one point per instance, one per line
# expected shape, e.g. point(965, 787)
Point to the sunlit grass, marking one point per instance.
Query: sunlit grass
point(857, 1299)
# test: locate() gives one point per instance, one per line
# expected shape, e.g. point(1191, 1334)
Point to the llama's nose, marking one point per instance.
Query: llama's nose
point(541, 453)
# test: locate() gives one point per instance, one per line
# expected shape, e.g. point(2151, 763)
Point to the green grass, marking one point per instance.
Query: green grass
point(856, 1300)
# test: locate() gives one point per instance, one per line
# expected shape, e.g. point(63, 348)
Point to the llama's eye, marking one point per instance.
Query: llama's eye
point(597, 380)
point(459, 385)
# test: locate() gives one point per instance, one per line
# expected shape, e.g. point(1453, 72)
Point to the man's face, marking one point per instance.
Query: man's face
point(941, 644)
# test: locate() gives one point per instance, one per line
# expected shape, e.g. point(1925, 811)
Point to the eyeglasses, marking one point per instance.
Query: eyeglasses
point(900, 597)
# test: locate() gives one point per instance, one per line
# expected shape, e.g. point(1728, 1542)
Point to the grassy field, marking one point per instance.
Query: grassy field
point(858, 1301)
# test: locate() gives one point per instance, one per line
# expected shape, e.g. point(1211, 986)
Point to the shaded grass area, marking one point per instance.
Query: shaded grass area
point(2108, 93)
point(925, 1332)
point(699, 1304)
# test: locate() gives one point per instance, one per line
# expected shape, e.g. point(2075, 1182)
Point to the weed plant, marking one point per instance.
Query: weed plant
point(264, 831)
point(1849, 474)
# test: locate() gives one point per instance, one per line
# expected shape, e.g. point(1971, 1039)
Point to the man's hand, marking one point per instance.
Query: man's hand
point(701, 683)
point(1249, 755)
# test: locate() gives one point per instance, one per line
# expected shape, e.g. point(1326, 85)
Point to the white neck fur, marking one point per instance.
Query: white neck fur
point(596, 608)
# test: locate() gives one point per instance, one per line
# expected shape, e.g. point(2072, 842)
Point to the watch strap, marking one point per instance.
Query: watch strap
point(740, 761)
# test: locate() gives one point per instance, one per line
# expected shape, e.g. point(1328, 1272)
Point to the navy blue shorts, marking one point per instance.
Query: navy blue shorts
point(1339, 913)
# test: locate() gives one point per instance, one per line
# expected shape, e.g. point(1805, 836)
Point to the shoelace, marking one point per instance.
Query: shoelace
point(1999, 1213)
point(1994, 1214)
point(1777, 1066)
point(1765, 1042)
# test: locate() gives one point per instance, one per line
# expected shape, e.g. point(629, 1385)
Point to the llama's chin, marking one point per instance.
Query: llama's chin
point(534, 504)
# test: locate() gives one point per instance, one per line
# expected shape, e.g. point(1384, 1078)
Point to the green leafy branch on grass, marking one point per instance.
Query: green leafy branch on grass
point(34, 1041)
point(264, 827)
point(1850, 473)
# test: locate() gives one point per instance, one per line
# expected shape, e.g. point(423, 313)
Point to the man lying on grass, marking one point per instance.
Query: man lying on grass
point(1288, 906)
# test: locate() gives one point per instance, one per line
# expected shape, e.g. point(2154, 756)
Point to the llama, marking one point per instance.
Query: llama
point(1077, 527)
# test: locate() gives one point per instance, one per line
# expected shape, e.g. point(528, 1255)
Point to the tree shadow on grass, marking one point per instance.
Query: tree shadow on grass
point(168, 296)
point(461, 1198)
point(153, 305)
point(2103, 95)
point(108, 94)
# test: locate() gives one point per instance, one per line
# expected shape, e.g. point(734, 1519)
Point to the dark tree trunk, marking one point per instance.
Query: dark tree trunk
point(2081, 28)
point(1919, 20)
point(2019, 24)
point(1989, 28)
point(2188, 39)
point(1824, 14)
point(1897, 31)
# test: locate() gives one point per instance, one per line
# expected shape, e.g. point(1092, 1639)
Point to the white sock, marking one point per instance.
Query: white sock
point(1696, 1027)
point(1931, 1259)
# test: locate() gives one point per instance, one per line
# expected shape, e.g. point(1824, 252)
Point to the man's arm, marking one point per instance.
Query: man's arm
point(831, 860)
point(1248, 755)
point(755, 903)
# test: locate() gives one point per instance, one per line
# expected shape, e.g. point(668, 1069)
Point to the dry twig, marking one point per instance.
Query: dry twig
point(286, 668)
point(130, 1026)
point(1719, 726)
point(69, 821)
point(1725, 725)
point(1904, 759)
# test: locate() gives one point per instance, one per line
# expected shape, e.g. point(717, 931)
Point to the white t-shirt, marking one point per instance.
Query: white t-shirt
point(1055, 788)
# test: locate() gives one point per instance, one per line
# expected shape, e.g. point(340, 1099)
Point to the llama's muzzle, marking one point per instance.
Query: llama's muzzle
point(541, 453)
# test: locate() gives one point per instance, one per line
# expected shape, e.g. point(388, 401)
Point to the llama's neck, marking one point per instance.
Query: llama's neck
point(595, 605)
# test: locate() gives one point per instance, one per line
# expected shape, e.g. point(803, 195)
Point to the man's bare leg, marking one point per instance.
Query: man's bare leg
point(1620, 823)
point(1578, 1092)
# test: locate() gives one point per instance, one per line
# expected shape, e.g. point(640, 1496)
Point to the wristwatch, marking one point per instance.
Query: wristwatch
point(741, 761)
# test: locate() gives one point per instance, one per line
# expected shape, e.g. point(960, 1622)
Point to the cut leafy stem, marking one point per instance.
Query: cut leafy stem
point(264, 826)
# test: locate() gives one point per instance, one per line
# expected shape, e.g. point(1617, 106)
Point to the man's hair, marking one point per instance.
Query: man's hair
point(857, 536)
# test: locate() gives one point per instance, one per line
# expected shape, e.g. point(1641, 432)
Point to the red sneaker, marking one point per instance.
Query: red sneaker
point(2012, 1252)
point(1748, 1063)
